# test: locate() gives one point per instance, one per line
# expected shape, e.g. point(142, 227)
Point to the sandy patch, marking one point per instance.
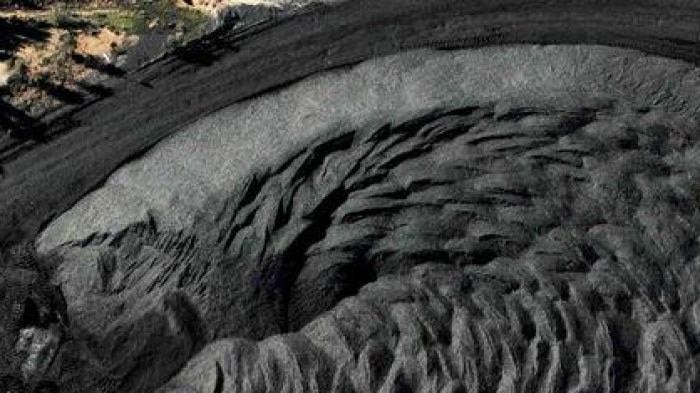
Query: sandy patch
point(35, 56)
point(103, 43)
point(49, 60)
point(4, 73)
point(213, 6)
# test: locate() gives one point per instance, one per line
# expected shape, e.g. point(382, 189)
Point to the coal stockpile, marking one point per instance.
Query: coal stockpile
point(371, 197)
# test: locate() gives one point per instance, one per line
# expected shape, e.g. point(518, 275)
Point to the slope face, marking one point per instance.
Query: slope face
point(528, 250)
point(173, 183)
point(42, 179)
point(515, 219)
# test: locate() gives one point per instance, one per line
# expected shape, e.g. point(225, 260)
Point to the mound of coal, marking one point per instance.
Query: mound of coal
point(506, 219)
point(513, 219)
point(527, 248)
point(521, 251)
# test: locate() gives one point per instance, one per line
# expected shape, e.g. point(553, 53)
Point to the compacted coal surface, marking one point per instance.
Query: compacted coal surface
point(509, 218)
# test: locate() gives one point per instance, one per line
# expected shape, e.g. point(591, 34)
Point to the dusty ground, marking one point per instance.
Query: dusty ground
point(4, 73)
point(102, 43)
point(50, 61)
point(214, 6)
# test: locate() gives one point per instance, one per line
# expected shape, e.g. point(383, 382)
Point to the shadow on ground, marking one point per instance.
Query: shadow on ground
point(16, 32)
point(13, 34)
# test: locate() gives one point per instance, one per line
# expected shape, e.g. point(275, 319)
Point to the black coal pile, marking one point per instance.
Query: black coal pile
point(526, 249)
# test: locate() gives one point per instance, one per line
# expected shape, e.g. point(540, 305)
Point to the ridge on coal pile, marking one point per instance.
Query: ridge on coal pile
point(514, 219)
point(172, 183)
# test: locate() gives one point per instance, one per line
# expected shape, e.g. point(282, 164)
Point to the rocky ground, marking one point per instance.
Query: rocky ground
point(358, 215)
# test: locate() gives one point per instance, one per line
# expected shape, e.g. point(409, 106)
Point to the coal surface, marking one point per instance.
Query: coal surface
point(42, 179)
point(527, 249)
point(482, 245)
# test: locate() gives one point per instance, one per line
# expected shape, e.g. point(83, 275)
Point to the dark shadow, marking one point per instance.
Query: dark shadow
point(12, 383)
point(96, 64)
point(74, 24)
point(96, 90)
point(197, 53)
point(61, 93)
point(23, 4)
point(17, 123)
point(207, 49)
point(15, 32)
